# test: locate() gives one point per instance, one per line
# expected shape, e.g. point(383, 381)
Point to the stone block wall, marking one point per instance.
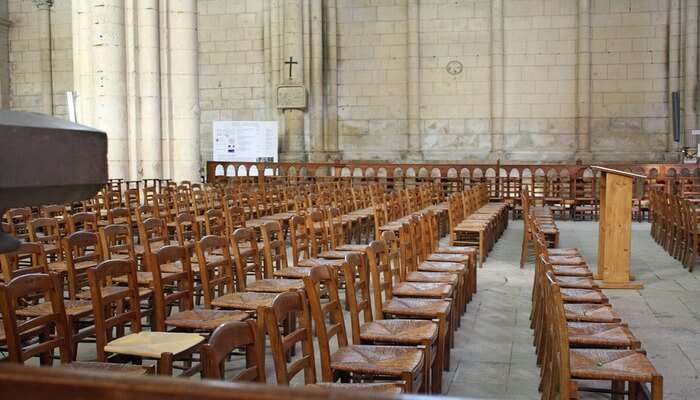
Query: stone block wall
point(35, 72)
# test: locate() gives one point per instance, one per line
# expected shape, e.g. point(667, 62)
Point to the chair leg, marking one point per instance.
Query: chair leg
point(657, 388)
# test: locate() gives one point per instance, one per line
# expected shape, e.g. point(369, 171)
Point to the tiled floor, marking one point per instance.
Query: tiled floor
point(494, 356)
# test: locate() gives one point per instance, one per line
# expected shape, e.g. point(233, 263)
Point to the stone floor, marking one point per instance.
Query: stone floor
point(494, 356)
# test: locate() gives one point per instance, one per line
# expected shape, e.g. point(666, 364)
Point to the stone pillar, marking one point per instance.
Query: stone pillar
point(583, 82)
point(184, 90)
point(4, 56)
point(45, 61)
point(331, 84)
point(690, 72)
point(497, 78)
point(315, 82)
point(294, 145)
point(109, 81)
point(413, 82)
point(674, 72)
point(148, 87)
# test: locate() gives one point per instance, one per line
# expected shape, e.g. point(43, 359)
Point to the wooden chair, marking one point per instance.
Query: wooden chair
point(10, 266)
point(564, 365)
point(46, 232)
point(83, 251)
point(20, 219)
point(175, 287)
point(353, 361)
point(286, 306)
point(299, 238)
point(83, 221)
point(388, 306)
point(116, 309)
point(420, 333)
point(153, 235)
point(38, 335)
point(215, 222)
point(223, 341)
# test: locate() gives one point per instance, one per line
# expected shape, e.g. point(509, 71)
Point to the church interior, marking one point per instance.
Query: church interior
point(349, 199)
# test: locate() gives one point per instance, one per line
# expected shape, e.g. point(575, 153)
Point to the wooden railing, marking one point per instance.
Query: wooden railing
point(503, 180)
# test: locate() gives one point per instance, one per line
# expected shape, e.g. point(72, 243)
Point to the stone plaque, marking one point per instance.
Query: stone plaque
point(291, 96)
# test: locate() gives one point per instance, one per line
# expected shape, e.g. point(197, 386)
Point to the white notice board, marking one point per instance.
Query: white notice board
point(253, 141)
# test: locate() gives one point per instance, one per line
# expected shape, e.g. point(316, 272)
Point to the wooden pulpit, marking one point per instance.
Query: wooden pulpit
point(615, 229)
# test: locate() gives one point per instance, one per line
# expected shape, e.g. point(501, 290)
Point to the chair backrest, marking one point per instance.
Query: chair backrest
point(285, 305)
point(357, 293)
point(334, 225)
point(316, 225)
point(235, 218)
point(46, 231)
point(299, 236)
point(117, 242)
point(331, 311)
point(11, 266)
point(47, 330)
point(187, 230)
point(53, 211)
point(132, 198)
point(215, 267)
point(224, 340)
point(82, 221)
point(275, 248)
point(117, 308)
point(558, 347)
point(381, 275)
point(170, 287)
point(215, 223)
point(153, 233)
point(81, 249)
point(246, 255)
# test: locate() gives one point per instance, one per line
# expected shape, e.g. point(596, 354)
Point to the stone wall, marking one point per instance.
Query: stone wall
point(36, 71)
point(4, 55)
point(530, 80)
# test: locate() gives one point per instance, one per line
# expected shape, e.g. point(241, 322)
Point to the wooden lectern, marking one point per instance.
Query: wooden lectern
point(615, 229)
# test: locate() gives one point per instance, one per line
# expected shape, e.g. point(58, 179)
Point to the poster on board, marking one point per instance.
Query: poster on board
point(252, 141)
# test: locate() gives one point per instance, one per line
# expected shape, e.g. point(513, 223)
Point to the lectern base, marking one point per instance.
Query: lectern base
point(618, 285)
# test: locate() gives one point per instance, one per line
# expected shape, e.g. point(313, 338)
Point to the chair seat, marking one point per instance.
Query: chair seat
point(456, 250)
point(112, 368)
point(337, 254)
point(601, 335)
point(567, 260)
point(387, 388)
point(457, 258)
point(583, 296)
point(377, 360)
point(571, 270)
point(441, 266)
point(111, 290)
point(144, 278)
point(275, 285)
point(293, 272)
point(423, 289)
point(564, 252)
point(315, 262)
point(353, 247)
point(574, 282)
point(438, 277)
point(244, 300)
point(623, 365)
point(416, 307)
point(74, 308)
point(204, 320)
point(153, 344)
point(590, 313)
point(399, 331)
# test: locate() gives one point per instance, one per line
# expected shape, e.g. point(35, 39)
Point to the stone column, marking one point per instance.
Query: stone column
point(497, 86)
point(690, 72)
point(331, 84)
point(148, 88)
point(45, 61)
point(4, 57)
point(109, 81)
point(583, 82)
point(184, 90)
point(674, 72)
point(315, 82)
point(294, 145)
point(413, 118)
